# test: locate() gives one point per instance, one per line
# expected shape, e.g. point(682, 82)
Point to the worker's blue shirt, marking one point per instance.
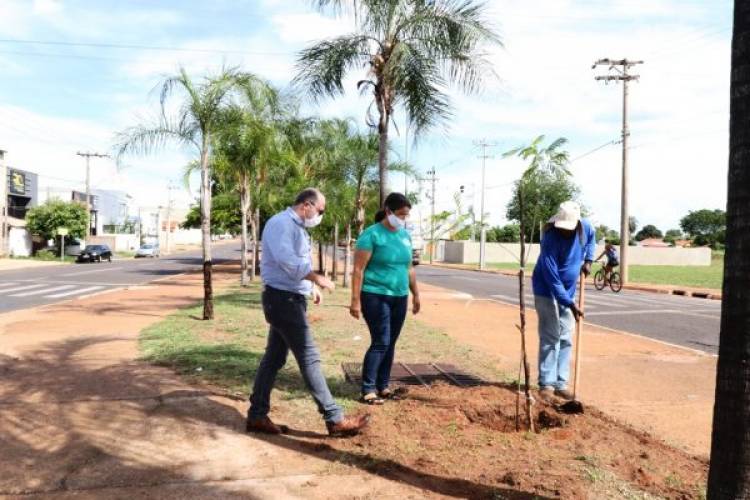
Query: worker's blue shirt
point(286, 258)
point(559, 264)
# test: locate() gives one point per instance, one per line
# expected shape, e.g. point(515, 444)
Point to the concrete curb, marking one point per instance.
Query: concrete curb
point(665, 290)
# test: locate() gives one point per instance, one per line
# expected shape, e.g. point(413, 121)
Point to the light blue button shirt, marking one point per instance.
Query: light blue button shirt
point(286, 257)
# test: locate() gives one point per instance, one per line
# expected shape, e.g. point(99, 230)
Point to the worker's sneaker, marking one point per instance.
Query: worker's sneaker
point(547, 393)
point(564, 394)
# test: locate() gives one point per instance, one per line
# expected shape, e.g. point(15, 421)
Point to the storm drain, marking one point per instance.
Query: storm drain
point(418, 374)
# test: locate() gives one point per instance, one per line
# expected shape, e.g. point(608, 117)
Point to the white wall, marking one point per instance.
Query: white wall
point(467, 252)
point(19, 242)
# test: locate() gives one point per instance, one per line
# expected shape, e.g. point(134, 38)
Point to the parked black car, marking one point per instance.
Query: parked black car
point(95, 253)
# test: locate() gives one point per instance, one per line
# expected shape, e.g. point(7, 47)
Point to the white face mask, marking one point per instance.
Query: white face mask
point(396, 222)
point(314, 221)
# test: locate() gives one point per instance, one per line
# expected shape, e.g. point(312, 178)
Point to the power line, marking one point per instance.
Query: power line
point(139, 47)
point(610, 143)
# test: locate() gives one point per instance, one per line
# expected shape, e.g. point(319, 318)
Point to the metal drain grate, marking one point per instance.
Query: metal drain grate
point(418, 374)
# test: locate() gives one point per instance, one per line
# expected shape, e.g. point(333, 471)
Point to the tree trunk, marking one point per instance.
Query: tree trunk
point(347, 255)
point(256, 239)
point(208, 293)
point(244, 210)
point(334, 263)
point(729, 473)
point(383, 150)
point(522, 313)
point(253, 246)
point(321, 258)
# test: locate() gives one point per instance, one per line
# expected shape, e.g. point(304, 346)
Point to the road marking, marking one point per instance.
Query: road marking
point(93, 271)
point(25, 287)
point(74, 292)
point(43, 290)
point(653, 311)
point(3, 285)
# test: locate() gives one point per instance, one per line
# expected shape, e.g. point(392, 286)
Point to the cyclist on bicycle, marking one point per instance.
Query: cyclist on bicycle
point(613, 259)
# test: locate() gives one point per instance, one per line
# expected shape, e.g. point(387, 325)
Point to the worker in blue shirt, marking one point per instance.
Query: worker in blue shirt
point(568, 246)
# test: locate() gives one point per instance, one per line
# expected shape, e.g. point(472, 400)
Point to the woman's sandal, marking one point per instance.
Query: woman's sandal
point(396, 394)
point(372, 399)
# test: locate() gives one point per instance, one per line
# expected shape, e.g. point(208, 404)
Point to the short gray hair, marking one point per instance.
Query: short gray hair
point(311, 195)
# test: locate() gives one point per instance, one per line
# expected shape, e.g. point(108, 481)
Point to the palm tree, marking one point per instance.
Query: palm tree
point(249, 142)
point(729, 473)
point(197, 118)
point(551, 159)
point(413, 49)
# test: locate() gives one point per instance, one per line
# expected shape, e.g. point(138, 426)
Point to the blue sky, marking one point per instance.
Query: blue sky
point(58, 98)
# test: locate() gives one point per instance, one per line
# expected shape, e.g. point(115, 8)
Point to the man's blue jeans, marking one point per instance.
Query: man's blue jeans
point(385, 316)
point(555, 334)
point(286, 312)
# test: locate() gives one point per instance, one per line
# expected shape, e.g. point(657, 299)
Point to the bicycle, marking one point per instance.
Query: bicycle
point(613, 280)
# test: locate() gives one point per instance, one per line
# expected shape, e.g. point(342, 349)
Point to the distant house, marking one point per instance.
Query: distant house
point(654, 243)
point(683, 243)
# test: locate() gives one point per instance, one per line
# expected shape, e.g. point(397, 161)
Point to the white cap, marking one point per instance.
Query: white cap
point(567, 215)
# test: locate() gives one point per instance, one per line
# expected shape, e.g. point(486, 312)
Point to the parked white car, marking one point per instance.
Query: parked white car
point(147, 250)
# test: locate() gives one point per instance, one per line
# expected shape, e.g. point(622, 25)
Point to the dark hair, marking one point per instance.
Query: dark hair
point(393, 202)
point(310, 194)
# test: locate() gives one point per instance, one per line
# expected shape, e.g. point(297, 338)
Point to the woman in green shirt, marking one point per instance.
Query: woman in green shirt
point(382, 277)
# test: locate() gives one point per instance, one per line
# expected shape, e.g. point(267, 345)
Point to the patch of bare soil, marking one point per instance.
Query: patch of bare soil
point(467, 439)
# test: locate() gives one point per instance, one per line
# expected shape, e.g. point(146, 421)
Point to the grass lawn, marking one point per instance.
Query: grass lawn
point(690, 276)
point(227, 351)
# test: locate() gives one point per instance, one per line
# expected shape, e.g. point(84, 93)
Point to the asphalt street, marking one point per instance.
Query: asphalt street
point(685, 321)
point(23, 288)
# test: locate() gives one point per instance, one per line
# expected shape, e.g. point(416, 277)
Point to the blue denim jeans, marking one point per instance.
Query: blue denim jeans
point(286, 312)
point(555, 334)
point(385, 316)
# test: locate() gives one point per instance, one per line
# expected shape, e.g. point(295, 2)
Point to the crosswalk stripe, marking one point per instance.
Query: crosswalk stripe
point(42, 291)
point(25, 287)
point(74, 292)
point(3, 285)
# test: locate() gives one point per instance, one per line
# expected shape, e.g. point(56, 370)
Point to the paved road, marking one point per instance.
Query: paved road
point(23, 288)
point(685, 321)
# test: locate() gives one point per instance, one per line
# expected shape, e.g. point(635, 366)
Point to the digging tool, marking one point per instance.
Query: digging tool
point(576, 406)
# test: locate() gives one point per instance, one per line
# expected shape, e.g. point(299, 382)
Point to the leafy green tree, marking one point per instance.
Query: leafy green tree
point(705, 227)
point(508, 233)
point(672, 235)
point(226, 214)
point(43, 220)
point(197, 118)
point(544, 191)
point(648, 231)
point(412, 49)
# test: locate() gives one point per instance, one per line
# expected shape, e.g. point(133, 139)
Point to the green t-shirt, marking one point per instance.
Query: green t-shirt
point(387, 273)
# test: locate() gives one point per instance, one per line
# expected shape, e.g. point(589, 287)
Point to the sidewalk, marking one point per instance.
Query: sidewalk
point(664, 389)
point(7, 264)
point(81, 417)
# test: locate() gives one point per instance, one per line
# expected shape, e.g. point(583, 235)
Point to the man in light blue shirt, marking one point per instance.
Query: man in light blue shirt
point(286, 270)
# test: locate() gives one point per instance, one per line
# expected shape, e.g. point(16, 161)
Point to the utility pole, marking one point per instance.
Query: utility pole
point(3, 205)
point(483, 230)
point(623, 76)
point(88, 156)
point(169, 213)
point(406, 158)
point(431, 177)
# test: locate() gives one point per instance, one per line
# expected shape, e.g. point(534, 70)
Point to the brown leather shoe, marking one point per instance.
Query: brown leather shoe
point(264, 426)
point(349, 426)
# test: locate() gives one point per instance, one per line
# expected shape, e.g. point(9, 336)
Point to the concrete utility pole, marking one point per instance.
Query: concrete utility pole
point(3, 205)
point(88, 156)
point(624, 77)
point(169, 213)
point(482, 229)
point(433, 179)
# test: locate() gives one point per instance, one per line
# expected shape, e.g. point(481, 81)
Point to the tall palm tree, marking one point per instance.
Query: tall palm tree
point(413, 50)
point(552, 159)
point(729, 473)
point(192, 126)
point(249, 142)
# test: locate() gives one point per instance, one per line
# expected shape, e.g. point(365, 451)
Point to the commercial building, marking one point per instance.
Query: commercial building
point(19, 194)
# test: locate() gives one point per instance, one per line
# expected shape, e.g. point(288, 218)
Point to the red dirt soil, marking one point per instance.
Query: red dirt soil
point(466, 439)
